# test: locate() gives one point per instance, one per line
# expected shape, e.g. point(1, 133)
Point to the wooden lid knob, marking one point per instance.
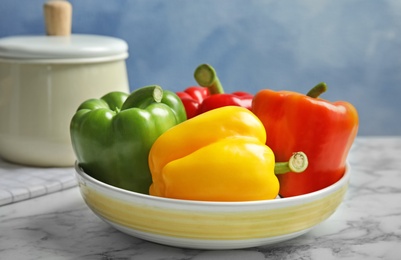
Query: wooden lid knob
point(58, 15)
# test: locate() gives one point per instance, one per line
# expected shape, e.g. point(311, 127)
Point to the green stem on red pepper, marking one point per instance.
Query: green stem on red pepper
point(317, 90)
point(206, 76)
point(297, 163)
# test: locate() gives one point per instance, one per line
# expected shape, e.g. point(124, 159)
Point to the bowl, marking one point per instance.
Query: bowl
point(210, 225)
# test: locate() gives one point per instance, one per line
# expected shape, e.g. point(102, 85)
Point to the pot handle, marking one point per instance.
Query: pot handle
point(58, 16)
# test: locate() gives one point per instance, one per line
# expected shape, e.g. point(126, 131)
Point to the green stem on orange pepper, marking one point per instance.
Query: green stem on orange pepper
point(206, 76)
point(317, 90)
point(297, 163)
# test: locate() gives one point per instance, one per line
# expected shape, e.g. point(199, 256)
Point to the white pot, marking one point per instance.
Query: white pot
point(43, 80)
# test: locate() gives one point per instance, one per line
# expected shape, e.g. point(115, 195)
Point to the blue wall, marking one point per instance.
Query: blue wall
point(352, 45)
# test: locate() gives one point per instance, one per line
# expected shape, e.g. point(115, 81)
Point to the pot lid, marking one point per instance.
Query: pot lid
point(74, 46)
point(60, 44)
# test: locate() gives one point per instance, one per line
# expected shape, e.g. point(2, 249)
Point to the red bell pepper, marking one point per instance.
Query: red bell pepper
point(210, 94)
point(323, 130)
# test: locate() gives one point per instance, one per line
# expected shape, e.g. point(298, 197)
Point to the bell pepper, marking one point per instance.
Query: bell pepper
point(219, 155)
point(210, 94)
point(112, 136)
point(322, 129)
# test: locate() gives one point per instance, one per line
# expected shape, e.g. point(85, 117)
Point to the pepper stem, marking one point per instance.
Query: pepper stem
point(157, 94)
point(143, 97)
point(297, 163)
point(317, 90)
point(206, 77)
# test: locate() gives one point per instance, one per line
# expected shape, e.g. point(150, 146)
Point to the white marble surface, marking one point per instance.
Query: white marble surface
point(367, 225)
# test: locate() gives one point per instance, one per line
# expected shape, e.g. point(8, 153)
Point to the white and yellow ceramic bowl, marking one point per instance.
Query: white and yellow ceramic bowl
point(210, 225)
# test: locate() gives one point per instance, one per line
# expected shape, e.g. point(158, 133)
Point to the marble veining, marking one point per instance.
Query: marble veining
point(367, 225)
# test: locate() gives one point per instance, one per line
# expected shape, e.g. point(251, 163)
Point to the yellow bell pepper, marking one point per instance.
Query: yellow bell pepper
point(216, 156)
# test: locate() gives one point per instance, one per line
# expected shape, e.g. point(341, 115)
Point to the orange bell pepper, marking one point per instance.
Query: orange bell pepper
point(323, 130)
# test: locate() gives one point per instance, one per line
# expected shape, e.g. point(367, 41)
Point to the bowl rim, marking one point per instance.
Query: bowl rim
point(290, 200)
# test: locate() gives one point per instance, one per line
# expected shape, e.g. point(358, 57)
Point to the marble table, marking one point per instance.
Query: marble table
point(367, 225)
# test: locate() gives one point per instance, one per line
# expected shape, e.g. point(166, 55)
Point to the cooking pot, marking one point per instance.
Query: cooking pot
point(43, 80)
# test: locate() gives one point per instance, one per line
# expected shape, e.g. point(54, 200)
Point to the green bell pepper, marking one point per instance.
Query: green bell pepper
point(112, 136)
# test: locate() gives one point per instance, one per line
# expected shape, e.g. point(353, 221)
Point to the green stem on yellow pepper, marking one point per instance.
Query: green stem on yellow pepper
point(317, 90)
point(297, 163)
point(206, 76)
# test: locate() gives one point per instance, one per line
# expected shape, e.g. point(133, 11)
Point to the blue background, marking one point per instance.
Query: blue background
point(352, 45)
